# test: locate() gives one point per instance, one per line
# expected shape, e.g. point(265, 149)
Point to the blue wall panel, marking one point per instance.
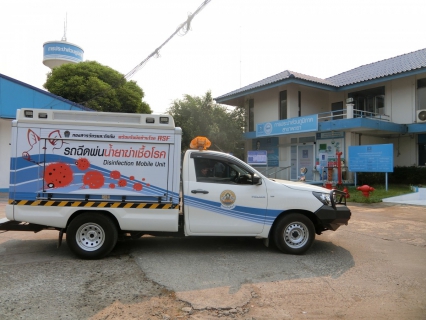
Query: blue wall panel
point(15, 95)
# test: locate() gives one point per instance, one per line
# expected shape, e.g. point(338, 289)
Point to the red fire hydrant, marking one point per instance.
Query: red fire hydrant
point(365, 190)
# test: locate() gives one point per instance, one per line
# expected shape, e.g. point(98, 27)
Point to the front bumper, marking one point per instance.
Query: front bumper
point(331, 218)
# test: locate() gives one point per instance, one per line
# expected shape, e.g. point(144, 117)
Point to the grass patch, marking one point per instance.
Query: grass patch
point(378, 194)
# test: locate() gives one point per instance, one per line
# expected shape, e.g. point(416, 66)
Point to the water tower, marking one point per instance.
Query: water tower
point(56, 53)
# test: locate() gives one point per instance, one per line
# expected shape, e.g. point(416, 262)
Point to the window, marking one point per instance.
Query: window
point(421, 94)
point(307, 139)
point(337, 110)
point(214, 170)
point(380, 102)
point(300, 103)
point(368, 102)
point(422, 149)
point(283, 105)
point(251, 115)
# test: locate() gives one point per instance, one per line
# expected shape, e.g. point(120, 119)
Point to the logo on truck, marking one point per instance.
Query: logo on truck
point(227, 199)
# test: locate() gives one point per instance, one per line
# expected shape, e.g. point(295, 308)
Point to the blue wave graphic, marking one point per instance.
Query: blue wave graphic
point(28, 178)
point(257, 215)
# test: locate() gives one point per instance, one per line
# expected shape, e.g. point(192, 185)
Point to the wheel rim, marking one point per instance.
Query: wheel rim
point(296, 235)
point(90, 236)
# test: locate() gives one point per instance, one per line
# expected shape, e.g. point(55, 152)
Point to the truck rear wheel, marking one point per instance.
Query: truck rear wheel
point(294, 234)
point(91, 235)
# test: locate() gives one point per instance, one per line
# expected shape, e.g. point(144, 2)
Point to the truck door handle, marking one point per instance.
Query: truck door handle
point(199, 191)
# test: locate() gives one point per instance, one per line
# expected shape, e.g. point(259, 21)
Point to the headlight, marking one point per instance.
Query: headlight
point(323, 197)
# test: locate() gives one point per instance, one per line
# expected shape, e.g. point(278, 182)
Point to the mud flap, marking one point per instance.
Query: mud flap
point(61, 234)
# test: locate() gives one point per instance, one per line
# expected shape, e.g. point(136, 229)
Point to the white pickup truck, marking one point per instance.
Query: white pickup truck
point(98, 177)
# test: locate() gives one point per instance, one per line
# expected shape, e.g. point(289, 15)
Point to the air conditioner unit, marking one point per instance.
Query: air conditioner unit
point(421, 115)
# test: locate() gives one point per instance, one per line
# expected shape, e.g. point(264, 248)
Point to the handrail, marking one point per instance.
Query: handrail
point(331, 114)
point(342, 114)
point(283, 168)
point(265, 171)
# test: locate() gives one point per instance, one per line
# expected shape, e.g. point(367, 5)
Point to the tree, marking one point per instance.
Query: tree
point(97, 87)
point(201, 116)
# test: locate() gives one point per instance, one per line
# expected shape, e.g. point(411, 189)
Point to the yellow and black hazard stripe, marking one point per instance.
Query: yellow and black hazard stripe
point(94, 204)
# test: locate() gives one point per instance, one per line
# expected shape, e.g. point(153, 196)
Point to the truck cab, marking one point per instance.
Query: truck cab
point(237, 200)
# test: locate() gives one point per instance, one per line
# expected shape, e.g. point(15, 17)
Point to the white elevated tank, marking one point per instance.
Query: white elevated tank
point(56, 53)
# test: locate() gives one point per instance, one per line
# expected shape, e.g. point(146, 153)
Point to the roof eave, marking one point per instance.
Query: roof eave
point(223, 99)
point(47, 93)
point(382, 79)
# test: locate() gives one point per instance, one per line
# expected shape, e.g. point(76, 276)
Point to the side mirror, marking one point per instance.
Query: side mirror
point(256, 180)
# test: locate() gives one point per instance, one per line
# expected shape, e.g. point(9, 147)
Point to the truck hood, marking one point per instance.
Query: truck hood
point(302, 186)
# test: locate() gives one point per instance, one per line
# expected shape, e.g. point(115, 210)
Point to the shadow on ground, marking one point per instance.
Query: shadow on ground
point(186, 264)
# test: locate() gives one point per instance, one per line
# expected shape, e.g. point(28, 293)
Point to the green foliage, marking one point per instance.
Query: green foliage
point(408, 175)
point(96, 86)
point(400, 175)
point(200, 116)
point(379, 193)
point(370, 178)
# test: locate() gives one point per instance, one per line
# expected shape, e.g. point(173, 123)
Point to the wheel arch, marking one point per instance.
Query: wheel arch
point(306, 213)
point(103, 212)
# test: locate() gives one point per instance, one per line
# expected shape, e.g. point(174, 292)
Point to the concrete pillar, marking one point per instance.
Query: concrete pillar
point(349, 110)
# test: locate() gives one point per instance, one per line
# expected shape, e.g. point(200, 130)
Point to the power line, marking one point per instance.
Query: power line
point(183, 29)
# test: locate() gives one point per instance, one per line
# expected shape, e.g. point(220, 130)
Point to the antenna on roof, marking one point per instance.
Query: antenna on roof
point(64, 37)
point(56, 53)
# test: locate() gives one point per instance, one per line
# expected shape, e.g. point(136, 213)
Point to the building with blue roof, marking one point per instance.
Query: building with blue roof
point(303, 122)
point(14, 95)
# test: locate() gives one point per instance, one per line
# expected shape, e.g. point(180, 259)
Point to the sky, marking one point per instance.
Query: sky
point(232, 43)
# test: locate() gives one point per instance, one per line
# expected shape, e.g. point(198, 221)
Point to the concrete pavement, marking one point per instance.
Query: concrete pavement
point(417, 198)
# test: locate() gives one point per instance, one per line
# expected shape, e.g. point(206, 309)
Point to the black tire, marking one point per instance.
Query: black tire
point(294, 234)
point(91, 235)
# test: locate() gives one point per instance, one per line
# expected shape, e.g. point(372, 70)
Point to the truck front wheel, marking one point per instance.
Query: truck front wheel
point(91, 235)
point(294, 234)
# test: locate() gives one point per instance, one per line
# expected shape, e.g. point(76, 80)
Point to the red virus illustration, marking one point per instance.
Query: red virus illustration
point(58, 175)
point(93, 179)
point(137, 186)
point(132, 178)
point(112, 186)
point(122, 183)
point(147, 185)
point(82, 164)
point(115, 174)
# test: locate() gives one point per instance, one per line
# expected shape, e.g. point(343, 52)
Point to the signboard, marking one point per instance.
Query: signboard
point(271, 147)
point(287, 126)
point(50, 164)
point(371, 158)
point(257, 157)
point(305, 157)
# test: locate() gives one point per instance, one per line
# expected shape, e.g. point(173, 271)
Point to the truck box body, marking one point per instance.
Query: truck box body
point(91, 160)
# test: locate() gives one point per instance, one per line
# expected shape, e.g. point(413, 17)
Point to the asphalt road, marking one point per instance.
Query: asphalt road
point(374, 268)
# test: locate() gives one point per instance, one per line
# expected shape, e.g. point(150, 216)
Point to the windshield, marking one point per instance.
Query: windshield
point(222, 167)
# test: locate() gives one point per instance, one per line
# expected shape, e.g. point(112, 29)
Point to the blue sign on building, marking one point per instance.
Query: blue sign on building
point(271, 147)
point(287, 126)
point(371, 158)
point(257, 157)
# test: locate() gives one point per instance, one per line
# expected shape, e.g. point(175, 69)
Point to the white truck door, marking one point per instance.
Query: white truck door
point(220, 198)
